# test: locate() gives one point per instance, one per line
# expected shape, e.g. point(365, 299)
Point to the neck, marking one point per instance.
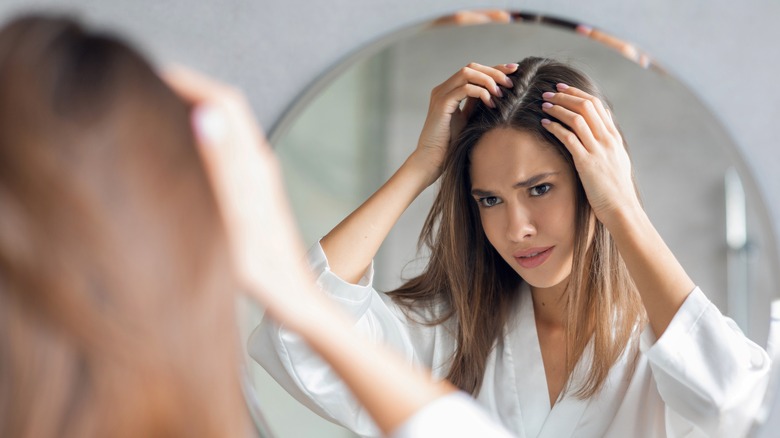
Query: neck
point(550, 305)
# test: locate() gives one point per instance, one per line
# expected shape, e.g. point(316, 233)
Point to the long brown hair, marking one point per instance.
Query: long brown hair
point(116, 317)
point(475, 285)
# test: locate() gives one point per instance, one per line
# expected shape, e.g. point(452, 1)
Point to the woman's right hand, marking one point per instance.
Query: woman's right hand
point(353, 243)
point(446, 117)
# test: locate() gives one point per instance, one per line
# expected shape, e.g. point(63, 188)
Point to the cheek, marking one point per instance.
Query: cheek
point(492, 228)
point(559, 220)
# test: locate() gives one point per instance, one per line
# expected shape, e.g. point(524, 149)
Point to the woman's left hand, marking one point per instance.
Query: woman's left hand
point(587, 130)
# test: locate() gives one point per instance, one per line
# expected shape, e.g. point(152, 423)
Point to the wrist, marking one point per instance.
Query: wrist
point(627, 221)
point(616, 214)
point(425, 170)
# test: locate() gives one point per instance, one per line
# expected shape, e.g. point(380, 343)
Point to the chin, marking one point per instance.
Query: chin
point(540, 281)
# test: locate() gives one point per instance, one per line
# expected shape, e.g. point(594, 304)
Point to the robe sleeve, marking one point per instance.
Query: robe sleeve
point(707, 372)
point(454, 415)
point(309, 379)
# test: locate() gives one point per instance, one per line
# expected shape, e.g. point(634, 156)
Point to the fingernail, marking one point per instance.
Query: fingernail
point(512, 65)
point(508, 82)
point(499, 93)
point(562, 86)
point(491, 104)
point(548, 95)
point(209, 124)
point(547, 105)
point(545, 122)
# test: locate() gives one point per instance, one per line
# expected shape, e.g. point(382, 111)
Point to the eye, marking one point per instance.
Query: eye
point(540, 190)
point(488, 201)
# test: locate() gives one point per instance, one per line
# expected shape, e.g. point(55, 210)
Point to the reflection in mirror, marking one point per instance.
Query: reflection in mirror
point(485, 16)
point(342, 142)
point(625, 48)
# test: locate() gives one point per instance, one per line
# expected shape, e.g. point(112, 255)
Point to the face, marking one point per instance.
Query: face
point(525, 192)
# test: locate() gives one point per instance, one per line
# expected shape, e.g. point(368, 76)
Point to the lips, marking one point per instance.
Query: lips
point(533, 257)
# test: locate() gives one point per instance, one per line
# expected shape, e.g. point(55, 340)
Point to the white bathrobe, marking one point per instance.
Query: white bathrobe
point(702, 378)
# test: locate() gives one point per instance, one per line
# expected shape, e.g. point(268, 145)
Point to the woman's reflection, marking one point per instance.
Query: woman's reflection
point(548, 294)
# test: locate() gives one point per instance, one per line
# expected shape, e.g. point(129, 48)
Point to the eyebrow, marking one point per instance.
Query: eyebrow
point(530, 182)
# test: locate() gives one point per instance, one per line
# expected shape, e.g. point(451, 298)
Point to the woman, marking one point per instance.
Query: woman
point(118, 258)
point(113, 268)
point(548, 295)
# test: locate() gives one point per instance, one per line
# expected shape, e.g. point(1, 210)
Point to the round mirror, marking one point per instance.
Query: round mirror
point(355, 127)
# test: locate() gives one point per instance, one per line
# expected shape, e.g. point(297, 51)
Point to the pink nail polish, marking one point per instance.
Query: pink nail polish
point(562, 86)
point(548, 95)
point(547, 105)
point(545, 122)
point(511, 65)
point(499, 93)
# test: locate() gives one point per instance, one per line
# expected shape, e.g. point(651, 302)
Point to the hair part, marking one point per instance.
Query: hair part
point(467, 277)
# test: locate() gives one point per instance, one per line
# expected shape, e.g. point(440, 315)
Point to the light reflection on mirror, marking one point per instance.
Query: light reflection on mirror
point(339, 146)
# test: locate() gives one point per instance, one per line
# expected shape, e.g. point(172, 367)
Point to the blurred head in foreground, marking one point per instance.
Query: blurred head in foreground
point(114, 275)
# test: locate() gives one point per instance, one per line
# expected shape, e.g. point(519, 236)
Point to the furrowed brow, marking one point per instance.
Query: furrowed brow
point(534, 180)
point(479, 193)
point(530, 182)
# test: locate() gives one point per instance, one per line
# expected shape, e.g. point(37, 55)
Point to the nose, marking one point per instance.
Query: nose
point(520, 225)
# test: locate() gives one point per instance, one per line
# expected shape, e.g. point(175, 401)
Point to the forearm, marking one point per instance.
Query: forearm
point(354, 242)
point(662, 282)
point(390, 389)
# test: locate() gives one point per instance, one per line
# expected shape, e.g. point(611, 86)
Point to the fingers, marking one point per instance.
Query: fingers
point(247, 185)
point(493, 75)
point(579, 112)
point(598, 105)
point(582, 113)
point(222, 121)
point(230, 142)
point(195, 87)
point(468, 107)
point(208, 118)
point(475, 80)
point(498, 73)
point(200, 90)
point(582, 121)
point(585, 124)
point(568, 138)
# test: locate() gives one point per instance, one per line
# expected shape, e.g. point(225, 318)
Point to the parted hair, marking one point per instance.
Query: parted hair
point(476, 288)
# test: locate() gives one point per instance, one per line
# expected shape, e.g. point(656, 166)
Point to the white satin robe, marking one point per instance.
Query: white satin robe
point(702, 378)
